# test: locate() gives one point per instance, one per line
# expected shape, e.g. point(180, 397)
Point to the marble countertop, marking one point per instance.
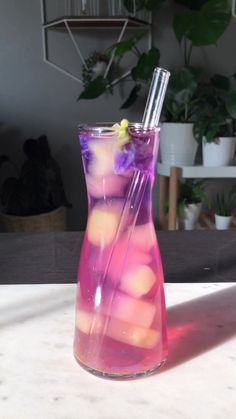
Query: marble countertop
point(40, 379)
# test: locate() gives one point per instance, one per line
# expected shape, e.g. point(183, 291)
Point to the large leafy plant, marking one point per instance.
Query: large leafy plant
point(37, 188)
point(202, 25)
point(216, 114)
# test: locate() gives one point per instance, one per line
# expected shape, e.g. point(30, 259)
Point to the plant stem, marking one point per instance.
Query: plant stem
point(136, 51)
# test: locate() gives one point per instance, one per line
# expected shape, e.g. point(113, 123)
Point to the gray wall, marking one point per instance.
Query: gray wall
point(37, 99)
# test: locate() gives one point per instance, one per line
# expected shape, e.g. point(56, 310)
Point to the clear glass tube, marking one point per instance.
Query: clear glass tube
point(156, 97)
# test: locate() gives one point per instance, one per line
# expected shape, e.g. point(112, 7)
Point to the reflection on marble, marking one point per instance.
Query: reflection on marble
point(39, 378)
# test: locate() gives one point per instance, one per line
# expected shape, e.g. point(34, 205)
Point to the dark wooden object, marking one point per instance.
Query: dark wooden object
point(196, 256)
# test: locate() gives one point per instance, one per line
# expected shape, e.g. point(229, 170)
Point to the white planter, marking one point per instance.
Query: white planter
point(178, 146)
point(192, 212)
point(222, 223)
point(220, 153)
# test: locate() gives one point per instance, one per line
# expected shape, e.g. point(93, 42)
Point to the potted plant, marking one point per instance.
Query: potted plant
point(216, 123)
point(202, 23)
point(178, 146)
point(34, 199)
point(191, 196)
point(139, 76)
point(223, 206)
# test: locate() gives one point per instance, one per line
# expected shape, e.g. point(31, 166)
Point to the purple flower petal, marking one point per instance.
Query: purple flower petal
point(124, 158)
point(84, 139)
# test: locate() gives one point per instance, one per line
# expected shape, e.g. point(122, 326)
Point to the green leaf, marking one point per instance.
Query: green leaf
point(94, 89)
point(205, 26)
point(133, 96)
point(129, 4)
point(230, 103)
point(183, 22)
point(3, 159)
point(182, 87)
point(220, 82)
point(222, 204)
point(146, 65)
point(121, 48)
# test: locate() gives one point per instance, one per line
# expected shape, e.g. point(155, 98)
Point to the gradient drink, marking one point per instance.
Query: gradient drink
point(120, 312)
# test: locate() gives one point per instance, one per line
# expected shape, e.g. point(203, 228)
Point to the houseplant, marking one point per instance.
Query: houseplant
point(216, 121)
point(34, 199)
point(202, 23)
point(191, 196)
point(139, 75)
point(178, 145)
point(223, 206)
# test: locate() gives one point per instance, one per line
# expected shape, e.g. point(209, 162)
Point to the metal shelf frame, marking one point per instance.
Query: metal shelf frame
point(69, 24)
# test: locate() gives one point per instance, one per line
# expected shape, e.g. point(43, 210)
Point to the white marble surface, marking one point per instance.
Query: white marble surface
point(39, 378)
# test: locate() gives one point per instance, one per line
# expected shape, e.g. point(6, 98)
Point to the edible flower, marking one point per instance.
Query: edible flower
point(123, 136)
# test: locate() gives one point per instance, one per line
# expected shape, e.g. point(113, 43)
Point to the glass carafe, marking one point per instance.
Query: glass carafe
point(120, 308)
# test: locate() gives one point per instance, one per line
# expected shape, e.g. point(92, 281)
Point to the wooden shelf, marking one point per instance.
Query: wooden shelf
point(199, 171)
point(87, 22)
point(207, 222)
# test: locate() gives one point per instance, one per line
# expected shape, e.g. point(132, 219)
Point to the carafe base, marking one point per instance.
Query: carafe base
point(121, 376)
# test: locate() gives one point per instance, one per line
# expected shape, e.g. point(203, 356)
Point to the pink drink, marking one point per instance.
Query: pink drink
point(120, 313)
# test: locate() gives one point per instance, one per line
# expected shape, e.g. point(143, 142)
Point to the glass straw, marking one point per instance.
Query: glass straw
point(155, 98)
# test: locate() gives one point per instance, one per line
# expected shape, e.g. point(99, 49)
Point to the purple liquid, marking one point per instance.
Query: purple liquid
point(120, 320)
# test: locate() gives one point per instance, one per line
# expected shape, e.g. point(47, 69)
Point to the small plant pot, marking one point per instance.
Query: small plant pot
point(219, 153)
point(192, 213)
point(178, 146)
point(222, 223)
point(51, 221)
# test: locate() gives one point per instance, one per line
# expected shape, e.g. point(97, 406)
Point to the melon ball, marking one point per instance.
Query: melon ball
point(132, 335)
point(110, 185)
point(138, 281)
point(143, 236)
point(102, 162)
point(103, 223)
point(89, 323)
point(131, 310)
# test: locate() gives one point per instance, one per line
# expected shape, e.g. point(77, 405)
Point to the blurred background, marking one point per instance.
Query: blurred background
point(37, 100)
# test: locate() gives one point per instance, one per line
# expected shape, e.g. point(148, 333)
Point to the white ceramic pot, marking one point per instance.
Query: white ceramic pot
point(222, 223)
point(192, 212)
point(178, 146)
point(220, 153)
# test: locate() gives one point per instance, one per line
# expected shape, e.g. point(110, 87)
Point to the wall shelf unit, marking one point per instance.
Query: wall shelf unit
point(96, 23)
point(75, 15)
